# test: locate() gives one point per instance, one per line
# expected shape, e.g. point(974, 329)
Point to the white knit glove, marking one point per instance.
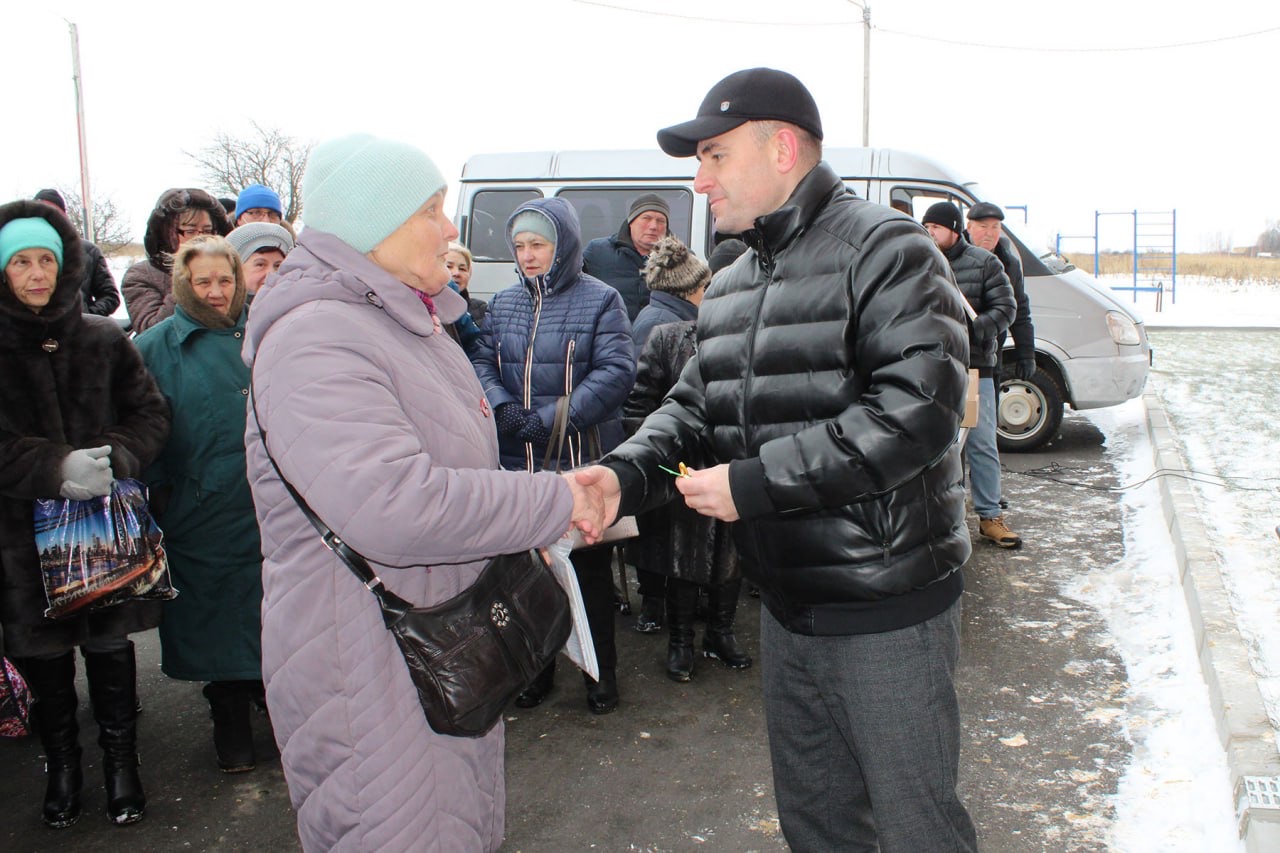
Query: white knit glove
point(87, 474)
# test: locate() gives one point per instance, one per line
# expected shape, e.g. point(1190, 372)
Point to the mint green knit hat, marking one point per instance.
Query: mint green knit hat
point(360, 188)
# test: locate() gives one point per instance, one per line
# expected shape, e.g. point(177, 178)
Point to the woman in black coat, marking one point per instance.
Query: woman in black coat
point(689, 549)
point(77, 409)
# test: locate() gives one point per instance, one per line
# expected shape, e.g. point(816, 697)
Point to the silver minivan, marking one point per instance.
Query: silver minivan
point(1091, 350)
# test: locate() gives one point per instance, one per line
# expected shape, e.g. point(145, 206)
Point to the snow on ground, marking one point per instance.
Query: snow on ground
point(1174, 796)
point(1218, 391)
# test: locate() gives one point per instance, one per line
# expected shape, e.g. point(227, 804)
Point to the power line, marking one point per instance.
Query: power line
point(618, 7)
point(718, 20)
point(1056, 49)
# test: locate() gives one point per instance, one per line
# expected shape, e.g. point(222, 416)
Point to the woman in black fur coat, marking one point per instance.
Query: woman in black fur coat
point(73, 386)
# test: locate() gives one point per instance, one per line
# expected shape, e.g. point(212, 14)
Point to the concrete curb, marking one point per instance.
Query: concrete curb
point(1243, 726)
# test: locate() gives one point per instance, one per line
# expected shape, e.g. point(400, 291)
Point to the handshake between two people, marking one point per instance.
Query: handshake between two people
point(597, 495)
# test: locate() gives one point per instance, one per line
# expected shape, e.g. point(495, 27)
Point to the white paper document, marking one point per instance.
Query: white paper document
point(579, 647)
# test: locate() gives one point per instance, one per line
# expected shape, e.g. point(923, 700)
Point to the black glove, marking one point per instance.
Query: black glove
point(510, 418)
point(1025, 369)
point(534, 431)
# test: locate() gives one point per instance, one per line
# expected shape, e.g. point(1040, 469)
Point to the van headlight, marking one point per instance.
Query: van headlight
point(1122, 329)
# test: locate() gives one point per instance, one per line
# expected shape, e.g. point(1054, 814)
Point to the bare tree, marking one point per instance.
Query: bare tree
point(268, 157)
point(111, 228)
point(1269, 240)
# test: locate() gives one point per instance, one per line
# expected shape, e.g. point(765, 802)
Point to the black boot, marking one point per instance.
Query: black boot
point(719, 642)
point(54, 684)
point(682, 598)
point(232, 734)
point(602, 695)
point(113, 688)
point(532, 696)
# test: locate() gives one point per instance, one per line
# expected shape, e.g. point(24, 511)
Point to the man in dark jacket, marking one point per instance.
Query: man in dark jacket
point(97, 287)
point(821, 410)
point(986, 232)
point(619, 260)
point(981, 278)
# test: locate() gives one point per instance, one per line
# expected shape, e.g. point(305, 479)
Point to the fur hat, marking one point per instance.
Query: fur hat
point(943, 213)
point(673, 269)
point(360, 188)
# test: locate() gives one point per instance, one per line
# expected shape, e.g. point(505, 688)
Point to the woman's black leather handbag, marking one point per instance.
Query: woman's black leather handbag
point(471, 655)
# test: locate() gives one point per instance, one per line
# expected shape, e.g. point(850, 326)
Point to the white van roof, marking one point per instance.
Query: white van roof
point(651, 164)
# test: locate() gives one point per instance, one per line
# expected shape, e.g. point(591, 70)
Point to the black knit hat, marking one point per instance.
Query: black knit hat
point(725, 253)
point(986, 210)
point(944, 213)
point(756, 94)
point(53, 197)
point(646, 203)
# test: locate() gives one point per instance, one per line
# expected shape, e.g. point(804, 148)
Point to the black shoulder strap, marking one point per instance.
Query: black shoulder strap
point(393, 606)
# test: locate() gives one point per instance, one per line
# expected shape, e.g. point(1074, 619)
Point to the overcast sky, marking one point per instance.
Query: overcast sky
point(1066, 107)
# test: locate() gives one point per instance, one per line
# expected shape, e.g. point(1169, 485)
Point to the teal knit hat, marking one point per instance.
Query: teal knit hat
point(360, 188)
point(534, 221)
point(31, 233)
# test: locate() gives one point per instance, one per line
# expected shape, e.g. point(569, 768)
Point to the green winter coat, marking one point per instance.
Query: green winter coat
point(200, 496)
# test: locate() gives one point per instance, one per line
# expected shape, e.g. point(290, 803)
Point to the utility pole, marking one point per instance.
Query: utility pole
point(866, 72)
point(86, 200)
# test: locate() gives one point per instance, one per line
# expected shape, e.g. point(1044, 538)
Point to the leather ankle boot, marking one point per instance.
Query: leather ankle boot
point(113, 691)
point(232, 733)
point(532, 696)
point(54, 684)
point(602, 695)
point(682, 597)
point(719, 641)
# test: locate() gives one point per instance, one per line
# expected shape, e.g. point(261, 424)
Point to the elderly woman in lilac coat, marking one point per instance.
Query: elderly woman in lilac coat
point(376, 417)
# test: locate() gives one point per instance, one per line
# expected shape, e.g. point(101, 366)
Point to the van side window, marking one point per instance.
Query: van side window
point(487, 225)
point(602, 211)
point(914, 201)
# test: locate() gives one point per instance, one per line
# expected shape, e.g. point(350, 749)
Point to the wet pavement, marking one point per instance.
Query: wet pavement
point(685, 766)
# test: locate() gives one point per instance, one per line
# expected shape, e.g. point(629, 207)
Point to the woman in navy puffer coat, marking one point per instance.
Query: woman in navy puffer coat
point(558, 332)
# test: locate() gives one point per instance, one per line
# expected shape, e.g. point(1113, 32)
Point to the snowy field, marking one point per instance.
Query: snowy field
point(1216, 380)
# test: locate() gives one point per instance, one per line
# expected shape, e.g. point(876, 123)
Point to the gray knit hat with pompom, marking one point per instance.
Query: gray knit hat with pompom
point(673, 269)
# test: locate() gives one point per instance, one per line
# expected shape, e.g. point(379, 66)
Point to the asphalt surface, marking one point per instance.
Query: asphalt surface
point(685, 766)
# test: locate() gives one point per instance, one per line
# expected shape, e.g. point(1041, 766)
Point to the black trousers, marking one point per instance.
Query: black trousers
point(594, 568)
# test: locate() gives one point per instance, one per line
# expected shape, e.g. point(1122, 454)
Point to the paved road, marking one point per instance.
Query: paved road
point(685, 767)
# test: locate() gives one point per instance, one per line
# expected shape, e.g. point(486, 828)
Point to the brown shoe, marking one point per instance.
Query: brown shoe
point(998, 532)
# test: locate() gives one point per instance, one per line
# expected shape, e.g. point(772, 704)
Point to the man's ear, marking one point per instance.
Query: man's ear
point(786, 149)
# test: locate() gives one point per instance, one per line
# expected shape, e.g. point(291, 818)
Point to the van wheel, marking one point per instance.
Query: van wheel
point(1028, 413)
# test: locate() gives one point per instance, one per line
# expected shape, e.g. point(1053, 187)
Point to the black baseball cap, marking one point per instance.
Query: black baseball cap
point(986, 210)
point(756, 94)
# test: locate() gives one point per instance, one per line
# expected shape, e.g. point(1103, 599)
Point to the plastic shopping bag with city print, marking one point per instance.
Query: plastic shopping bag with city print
point(100, 552)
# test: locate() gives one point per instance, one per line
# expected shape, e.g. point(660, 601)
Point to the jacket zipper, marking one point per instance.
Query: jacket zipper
point(767, 264)
point(528, 364)
point(574, 458)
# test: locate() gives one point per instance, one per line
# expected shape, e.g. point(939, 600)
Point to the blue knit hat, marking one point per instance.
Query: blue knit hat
point(33, 232)
point(256, 195)
point(360, 188)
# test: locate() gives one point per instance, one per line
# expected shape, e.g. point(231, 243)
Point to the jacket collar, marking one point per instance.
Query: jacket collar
point(774, 231)
point(678, 305)
point(184, 326)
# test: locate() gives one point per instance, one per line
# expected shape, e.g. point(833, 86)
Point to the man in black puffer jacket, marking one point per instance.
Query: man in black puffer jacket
point(984, 284)
point(821, 409)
